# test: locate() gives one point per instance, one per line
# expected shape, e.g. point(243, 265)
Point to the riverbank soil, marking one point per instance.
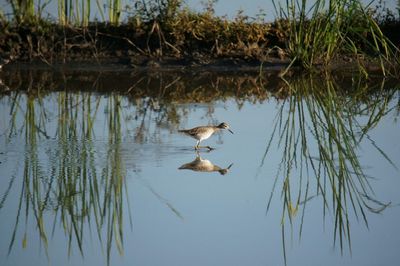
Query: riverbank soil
point(151, 45)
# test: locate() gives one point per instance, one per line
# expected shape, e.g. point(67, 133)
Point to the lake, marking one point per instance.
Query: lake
point(90, 158)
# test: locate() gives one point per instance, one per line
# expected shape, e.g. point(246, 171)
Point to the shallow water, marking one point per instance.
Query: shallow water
point(90, 170)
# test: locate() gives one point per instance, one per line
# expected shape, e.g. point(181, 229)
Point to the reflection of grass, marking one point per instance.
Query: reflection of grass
point(83, 190)
point(32, 174)
point(71, 183)
point(75, 187)
point(319, 132)
point(178, 87)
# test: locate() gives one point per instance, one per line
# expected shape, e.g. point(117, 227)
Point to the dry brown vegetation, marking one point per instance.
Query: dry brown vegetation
point(165, 33)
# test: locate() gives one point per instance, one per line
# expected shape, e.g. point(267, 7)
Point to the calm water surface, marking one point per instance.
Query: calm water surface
point(90, 177)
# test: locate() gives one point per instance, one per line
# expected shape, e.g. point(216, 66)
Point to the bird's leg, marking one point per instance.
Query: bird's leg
point(197, 145)
point(206, 147)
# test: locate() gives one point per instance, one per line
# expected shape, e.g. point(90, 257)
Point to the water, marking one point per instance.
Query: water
point(89, 171)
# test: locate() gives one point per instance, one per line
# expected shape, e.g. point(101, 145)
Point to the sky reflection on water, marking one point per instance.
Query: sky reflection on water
point(115, 166)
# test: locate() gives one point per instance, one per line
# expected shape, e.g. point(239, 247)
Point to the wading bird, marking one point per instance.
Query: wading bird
point(204, 132)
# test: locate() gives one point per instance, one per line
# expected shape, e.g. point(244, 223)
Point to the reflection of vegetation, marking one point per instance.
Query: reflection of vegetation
point(319, 131)
point(157, 88)
point(73, 184)
point(68, 177)
point(80, 186)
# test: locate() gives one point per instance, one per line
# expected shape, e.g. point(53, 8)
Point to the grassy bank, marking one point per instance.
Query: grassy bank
point(155, 32)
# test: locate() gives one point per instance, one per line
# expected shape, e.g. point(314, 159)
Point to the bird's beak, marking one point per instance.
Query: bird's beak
point(230, 131)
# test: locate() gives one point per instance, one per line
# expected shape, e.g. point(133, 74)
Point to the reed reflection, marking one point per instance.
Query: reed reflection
point(66, 178)
point(73, 180)
point(203, 165)
point(74, 167)
point(318, 130)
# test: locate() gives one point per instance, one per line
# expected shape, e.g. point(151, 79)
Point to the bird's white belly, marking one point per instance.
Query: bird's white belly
point(205, 136)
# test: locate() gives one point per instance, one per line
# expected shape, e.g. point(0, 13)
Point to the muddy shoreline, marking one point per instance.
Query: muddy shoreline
point(144, 63)
point(102, 46)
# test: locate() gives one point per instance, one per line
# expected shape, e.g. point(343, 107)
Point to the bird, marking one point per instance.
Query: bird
point(204, 132)
point(203, 165)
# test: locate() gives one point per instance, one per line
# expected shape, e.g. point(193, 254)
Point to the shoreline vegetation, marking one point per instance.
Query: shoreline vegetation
point(165, 33)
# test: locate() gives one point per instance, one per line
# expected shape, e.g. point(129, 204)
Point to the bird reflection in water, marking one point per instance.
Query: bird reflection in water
point(203, 165)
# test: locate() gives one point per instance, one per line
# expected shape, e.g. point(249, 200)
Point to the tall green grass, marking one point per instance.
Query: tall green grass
point(311, 33)
point(114, 11)
point(320, 31)
point(24, 11)
point(74, 12)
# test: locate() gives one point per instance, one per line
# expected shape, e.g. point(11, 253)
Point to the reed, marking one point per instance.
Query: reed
point(321, 31)
point(75, 13)
point(312, 35)
point(24, 11)
point(114, 11)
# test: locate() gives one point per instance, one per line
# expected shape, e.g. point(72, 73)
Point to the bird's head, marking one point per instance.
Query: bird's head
point(224, 125)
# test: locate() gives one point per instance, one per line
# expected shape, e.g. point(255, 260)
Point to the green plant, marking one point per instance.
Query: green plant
point(321, 31)
point(114, 11)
